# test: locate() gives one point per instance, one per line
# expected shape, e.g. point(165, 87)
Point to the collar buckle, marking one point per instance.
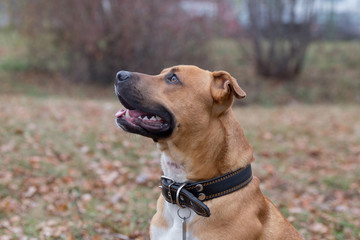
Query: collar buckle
point(172, 182)
point(178, 195)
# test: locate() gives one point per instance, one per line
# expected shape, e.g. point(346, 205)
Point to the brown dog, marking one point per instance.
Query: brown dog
point(208, 190)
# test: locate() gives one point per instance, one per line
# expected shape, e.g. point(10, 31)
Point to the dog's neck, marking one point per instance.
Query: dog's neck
point(223, 150)
point(173, 170)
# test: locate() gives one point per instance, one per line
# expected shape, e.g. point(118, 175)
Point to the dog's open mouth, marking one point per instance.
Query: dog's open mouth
point(147, 121)
point(153, 121)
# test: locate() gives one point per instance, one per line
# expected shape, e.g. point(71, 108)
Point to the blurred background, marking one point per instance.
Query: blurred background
point(291, 48)
point(66, 172)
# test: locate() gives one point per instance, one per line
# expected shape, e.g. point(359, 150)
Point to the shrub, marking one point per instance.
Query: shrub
point(280, 32)
point(99, 37)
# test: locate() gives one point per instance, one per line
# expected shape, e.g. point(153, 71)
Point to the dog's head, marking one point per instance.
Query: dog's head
point(180, 100)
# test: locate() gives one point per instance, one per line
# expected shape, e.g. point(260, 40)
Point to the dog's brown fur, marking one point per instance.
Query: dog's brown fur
point(207, 142)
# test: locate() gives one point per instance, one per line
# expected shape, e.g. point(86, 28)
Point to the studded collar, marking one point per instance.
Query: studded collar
point(194, 194)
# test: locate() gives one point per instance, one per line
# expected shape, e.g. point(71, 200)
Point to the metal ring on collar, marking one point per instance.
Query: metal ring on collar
point(178, 195)
point(167, 178)
point(185, 217)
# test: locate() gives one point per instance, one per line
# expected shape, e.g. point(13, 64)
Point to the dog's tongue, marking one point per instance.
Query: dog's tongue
point(120, 113)
point(129, 113)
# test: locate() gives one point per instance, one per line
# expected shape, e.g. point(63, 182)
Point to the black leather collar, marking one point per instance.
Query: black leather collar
point(193, 194)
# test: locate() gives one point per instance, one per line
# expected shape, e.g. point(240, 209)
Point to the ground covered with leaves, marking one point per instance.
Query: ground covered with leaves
point(67, 172)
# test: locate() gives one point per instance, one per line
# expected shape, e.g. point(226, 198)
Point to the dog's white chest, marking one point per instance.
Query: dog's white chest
point(175, 223)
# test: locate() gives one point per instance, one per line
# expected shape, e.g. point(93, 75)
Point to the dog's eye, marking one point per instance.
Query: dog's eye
point(173, 78)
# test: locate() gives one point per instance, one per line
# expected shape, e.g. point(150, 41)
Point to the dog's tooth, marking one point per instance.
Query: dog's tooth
point(127, 113)
point(145, 118)
point(158, 118)
point(139, 117)
point(153, 118)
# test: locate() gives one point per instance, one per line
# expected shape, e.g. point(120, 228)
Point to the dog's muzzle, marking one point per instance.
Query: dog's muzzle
point(141, 114)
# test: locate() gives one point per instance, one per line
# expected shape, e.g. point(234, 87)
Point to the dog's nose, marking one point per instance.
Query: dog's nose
point(122, 76)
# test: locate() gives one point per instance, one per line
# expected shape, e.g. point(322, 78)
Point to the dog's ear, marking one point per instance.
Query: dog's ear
point(224, 87)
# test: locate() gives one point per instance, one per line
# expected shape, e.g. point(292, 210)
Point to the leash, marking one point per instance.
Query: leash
point(193, 194)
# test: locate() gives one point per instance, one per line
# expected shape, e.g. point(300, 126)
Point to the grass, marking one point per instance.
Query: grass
point(85, 170)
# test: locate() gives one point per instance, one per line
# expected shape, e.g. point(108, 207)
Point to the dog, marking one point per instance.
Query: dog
point(208, 191)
